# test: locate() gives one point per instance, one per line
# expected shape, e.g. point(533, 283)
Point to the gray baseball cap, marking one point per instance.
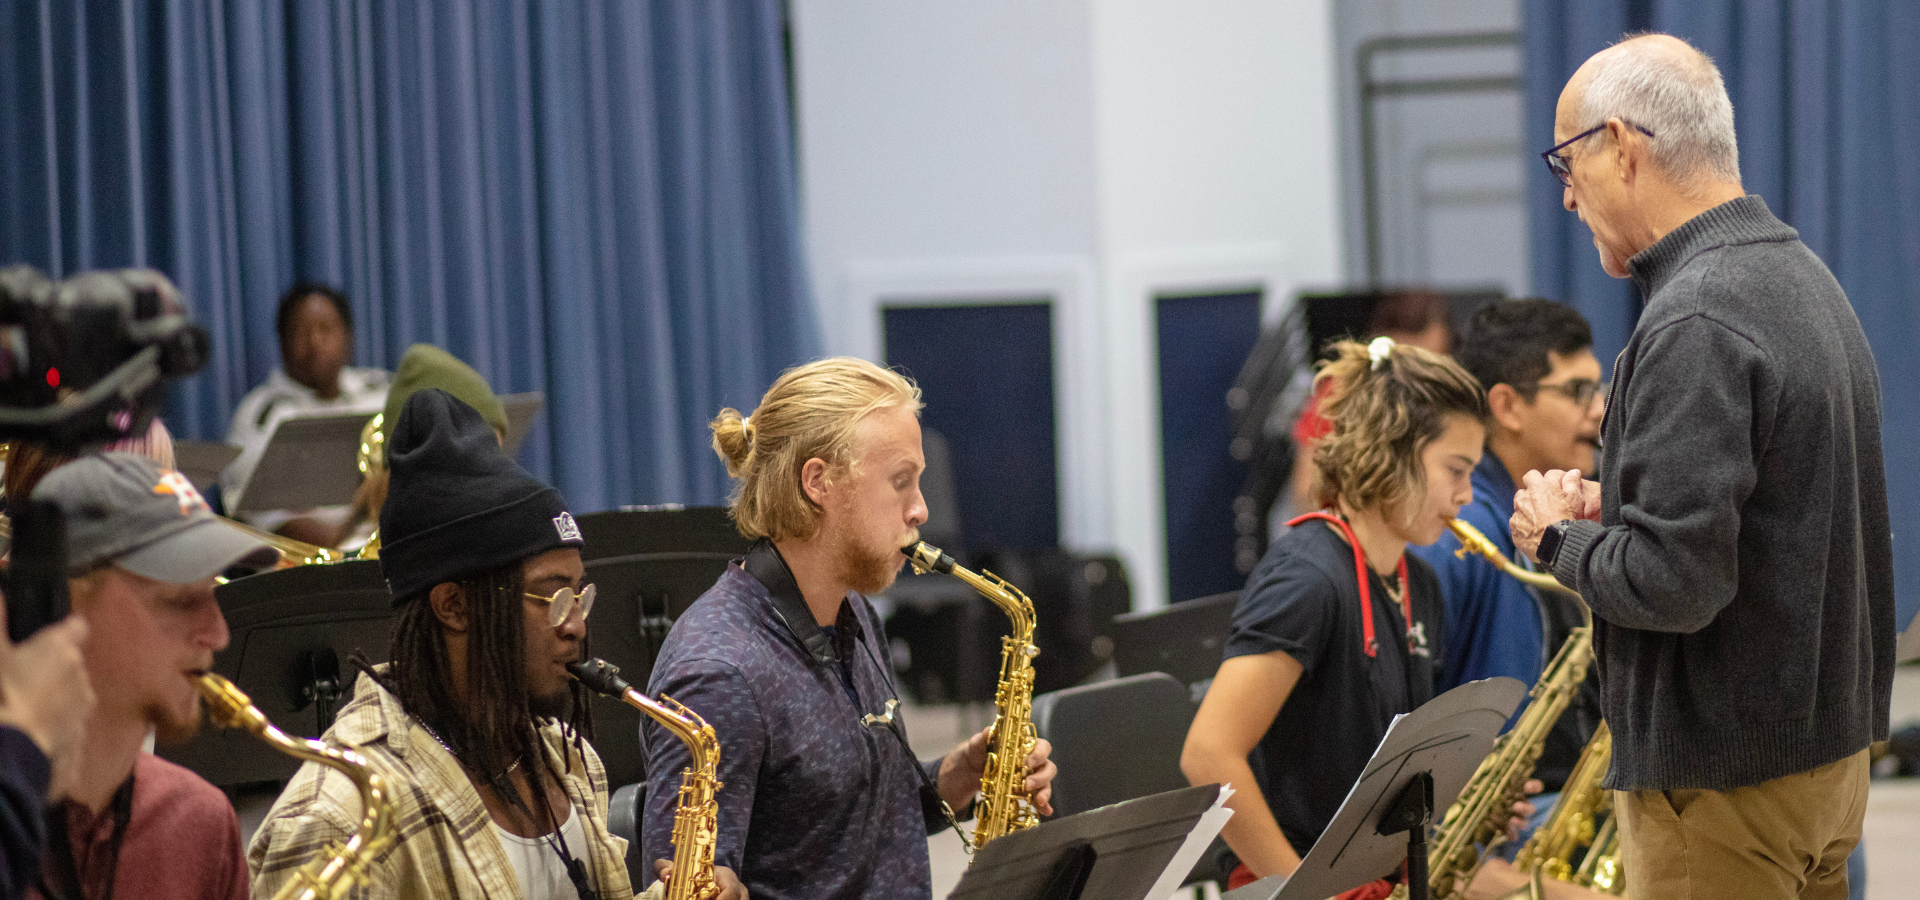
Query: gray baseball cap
point(124, 509)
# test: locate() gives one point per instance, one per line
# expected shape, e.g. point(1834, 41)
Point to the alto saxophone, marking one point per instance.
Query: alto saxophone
point(1479, 817)
point(338, 869)
point(696, 822)
point(1577, 819)
point(1004, 805)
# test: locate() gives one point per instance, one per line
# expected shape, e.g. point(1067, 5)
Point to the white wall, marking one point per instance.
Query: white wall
point(1216, 145)
point(939, 131)
point(1098, 151)
point(1452, 168)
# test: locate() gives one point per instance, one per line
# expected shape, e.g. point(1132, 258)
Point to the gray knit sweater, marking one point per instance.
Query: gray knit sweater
point(1741, 575)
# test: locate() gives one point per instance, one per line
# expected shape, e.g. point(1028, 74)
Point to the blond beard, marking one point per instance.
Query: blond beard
point(867, 571)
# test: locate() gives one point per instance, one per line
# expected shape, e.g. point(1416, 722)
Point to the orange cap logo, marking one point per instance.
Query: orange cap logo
point(183, 490)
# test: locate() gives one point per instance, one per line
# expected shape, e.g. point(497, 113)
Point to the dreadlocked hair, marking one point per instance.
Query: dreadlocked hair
point(1384, 413)
point(497, 727)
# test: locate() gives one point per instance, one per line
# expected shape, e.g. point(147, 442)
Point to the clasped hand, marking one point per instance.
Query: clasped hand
point(1545, 499)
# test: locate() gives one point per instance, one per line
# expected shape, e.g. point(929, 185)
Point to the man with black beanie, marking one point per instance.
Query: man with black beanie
point(475, 720)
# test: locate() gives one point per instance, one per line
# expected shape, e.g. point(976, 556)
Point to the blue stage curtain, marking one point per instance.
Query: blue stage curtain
point(1827, 107)
point(592, 199)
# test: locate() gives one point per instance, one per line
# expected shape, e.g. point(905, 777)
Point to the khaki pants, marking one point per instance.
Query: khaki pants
point(1789, 837)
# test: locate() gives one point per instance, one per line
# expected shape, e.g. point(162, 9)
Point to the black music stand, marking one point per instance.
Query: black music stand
point(1116, 852)
point(668, 528)
point(1426, 758)
point(293, 630)
point(1184, 640)
point(648, 565)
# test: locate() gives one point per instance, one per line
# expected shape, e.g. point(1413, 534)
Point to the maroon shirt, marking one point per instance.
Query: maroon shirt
point(182, 841)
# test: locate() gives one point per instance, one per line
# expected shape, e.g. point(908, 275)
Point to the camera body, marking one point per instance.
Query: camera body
point(82, 361)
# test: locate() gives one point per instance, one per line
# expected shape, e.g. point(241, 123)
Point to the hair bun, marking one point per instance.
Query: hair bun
point(732, 439)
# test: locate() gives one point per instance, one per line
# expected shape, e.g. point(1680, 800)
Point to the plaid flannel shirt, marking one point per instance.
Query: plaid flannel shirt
point(446, 846)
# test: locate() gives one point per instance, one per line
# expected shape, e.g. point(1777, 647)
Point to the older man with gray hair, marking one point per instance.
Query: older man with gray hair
point(1736, 552)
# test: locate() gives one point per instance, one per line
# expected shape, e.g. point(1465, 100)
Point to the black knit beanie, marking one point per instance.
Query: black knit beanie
point(456, 504)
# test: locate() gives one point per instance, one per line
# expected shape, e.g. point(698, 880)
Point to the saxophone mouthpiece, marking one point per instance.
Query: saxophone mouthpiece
point(226, 704)
point(599, 676)
point(928, 558)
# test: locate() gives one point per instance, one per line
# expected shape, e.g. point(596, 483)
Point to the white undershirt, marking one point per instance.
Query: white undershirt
point(542, 875)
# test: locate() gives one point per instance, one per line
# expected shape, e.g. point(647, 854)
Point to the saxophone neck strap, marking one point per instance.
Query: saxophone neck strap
point(765, 564)
point(1360, 572)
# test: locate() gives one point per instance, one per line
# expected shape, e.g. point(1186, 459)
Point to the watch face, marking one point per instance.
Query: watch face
point(1550, 542)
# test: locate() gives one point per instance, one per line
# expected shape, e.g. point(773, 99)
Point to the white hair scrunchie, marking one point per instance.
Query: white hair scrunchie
point(746, 428)
point(1379, 350)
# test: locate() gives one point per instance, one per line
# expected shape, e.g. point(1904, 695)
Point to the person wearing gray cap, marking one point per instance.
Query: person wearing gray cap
point(142, 550)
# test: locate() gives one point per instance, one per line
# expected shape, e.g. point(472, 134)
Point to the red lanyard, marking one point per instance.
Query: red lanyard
point(1360, 572)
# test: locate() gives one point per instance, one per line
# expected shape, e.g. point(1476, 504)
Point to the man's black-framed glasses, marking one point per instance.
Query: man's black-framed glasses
point(561, 604)
point(1557, 164)
point(1580, 390)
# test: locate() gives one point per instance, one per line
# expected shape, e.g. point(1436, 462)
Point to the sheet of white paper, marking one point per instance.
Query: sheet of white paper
point(1211, 821)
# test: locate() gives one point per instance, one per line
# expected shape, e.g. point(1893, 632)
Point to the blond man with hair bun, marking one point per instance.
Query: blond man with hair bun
point(786, 658)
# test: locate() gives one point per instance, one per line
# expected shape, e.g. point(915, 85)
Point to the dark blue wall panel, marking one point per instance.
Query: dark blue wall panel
point(987, 376)
point(1203, 342)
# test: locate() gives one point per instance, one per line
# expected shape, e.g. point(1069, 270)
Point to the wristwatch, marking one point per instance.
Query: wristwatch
point(1550, 541)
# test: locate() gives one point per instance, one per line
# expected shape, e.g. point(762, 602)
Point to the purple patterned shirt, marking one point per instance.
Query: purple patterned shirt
point(814, 804)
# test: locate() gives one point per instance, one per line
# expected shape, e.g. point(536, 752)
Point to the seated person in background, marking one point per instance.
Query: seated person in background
point(476, 721)
point(1333, 635)
point(315, 325)
point(143, 549)
point(45, 701)
point(1535, 358)
point(786, 659)
point(423, 366)
point(1415, 318)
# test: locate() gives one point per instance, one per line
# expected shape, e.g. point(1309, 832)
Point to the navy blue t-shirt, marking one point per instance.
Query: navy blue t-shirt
point(1304, 600)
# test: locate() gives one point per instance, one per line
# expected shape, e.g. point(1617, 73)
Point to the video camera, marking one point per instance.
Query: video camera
point(81, 360)
point(82, 363)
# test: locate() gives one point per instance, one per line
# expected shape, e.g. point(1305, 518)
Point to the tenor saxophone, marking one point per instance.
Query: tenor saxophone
point(696, 822)
point(1600, 867)
point(340, 867)
point(1479, 817)
point(1575, 822)
point(1472, 541)
point(1004, 805)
